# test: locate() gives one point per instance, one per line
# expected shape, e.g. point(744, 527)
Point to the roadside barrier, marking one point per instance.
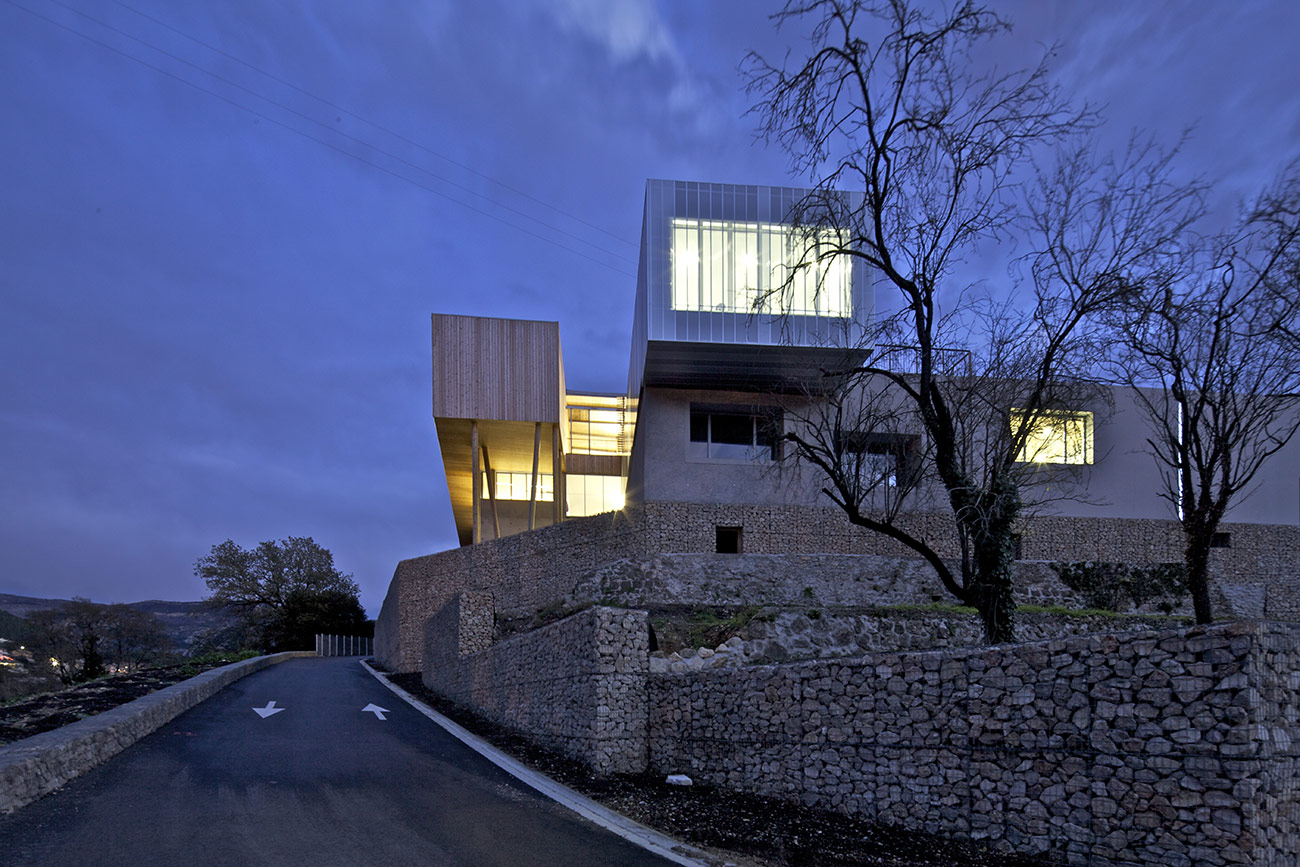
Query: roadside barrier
point(344, 645)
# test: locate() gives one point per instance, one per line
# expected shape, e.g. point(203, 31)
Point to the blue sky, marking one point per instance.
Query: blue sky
point(226, 223)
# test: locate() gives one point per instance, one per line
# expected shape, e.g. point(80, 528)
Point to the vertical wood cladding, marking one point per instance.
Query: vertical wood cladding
point(501, 369)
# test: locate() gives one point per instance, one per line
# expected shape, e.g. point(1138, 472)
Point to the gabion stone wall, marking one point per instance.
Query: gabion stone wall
point(1155, 748)
point(632, 556)
point(577, 686)
point(795, 635)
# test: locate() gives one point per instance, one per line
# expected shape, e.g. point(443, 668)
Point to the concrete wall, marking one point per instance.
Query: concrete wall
point(1123, 481)
point(1157, 748)
point(577, 686)
point(668, 473)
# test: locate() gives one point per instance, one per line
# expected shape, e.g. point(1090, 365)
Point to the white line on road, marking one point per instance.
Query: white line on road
point(376, 710)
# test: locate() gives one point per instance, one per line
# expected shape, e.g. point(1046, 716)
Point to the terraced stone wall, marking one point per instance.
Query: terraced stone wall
point(1154, 748)
point(659, 553)
point(578, 685)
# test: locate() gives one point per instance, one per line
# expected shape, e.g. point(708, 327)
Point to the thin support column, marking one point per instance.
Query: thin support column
point(476, 533)
point(532, 494)
point(557, 477)
point(492, 493)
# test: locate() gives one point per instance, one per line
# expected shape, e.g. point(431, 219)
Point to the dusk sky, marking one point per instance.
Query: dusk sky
point(225, 225)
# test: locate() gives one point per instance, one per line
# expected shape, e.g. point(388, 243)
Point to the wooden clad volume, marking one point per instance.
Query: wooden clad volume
point(500, 369)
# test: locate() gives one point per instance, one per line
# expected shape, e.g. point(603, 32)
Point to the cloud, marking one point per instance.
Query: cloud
point(627, 29)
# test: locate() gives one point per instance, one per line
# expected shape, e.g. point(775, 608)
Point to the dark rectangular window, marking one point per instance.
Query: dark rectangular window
point(886, 458)
point(736, 432)
point(732, 430)
point(1221, 540)
point(729, 540)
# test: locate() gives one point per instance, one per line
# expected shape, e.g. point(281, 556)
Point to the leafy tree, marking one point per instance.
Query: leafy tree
point(82, 640)
point(285, 592)
point(133, 638)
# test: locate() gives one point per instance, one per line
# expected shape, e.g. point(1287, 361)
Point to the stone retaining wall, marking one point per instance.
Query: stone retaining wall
point(794, 635)
point(1155, 748)
point(35, 766)
point(787, 548)
point(577, 686)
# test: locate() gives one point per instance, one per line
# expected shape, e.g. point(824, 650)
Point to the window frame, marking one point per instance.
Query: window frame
point(766, 425)
point(1066, 419)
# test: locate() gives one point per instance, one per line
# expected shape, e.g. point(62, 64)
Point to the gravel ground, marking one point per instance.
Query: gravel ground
point(52, 710)
point(755, 830)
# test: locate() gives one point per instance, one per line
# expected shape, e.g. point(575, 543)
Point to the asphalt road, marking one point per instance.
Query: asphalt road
point(321, 782)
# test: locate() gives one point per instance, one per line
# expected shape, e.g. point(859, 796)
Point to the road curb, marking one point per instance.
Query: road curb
point(632, 831)
point(33, 767)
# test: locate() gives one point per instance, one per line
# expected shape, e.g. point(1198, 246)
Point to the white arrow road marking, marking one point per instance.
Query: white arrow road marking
point(376, 710)
point(270, 708)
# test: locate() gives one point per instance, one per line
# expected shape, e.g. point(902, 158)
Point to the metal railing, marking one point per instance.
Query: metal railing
point(344, 645)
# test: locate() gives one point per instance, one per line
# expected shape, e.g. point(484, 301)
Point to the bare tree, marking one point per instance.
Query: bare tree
point(1214, 361)
point(891, 105)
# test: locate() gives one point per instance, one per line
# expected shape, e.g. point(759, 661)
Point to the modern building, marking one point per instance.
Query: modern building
point(724, 348)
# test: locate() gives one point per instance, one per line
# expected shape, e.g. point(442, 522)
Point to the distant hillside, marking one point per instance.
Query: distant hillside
point(14, 628)
point(181, 620)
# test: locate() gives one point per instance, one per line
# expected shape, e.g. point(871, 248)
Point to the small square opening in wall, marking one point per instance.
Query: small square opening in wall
point(729, 540)
point(1221, 540)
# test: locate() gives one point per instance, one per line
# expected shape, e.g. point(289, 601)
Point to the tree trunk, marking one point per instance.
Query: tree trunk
point(1196, 555)
point(993, 588)
point(993, 536)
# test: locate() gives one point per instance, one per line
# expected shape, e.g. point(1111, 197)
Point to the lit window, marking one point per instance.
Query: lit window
point(518, 486)
point(592, 495)
point(1058, 437)
point(737, 434)
point(599, 425)
point(725, 267)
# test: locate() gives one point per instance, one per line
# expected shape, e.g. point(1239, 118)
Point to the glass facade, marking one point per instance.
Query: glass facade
point(710, 251)
point(728, 267)
point(599, 424)
point(518, 486)
point(1059, 437)
point(592, 495)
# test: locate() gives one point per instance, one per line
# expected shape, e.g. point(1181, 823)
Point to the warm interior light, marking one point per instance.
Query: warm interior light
point(1059, 437)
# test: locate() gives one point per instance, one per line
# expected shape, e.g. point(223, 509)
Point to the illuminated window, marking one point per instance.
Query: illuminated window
point(739, 433)
point(518, 486)
point(599, 424)
point(1058, 437)
point(592, 495)
point(727, 267)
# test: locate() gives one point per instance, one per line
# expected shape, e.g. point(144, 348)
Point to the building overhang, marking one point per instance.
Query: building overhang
point(744, 367)
point(506, 447)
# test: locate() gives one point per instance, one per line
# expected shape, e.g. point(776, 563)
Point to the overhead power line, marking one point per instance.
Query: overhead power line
point(397, 135)
point(263, 116)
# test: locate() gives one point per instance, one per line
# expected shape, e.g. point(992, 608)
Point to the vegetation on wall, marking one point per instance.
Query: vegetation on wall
point(1121, 587)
